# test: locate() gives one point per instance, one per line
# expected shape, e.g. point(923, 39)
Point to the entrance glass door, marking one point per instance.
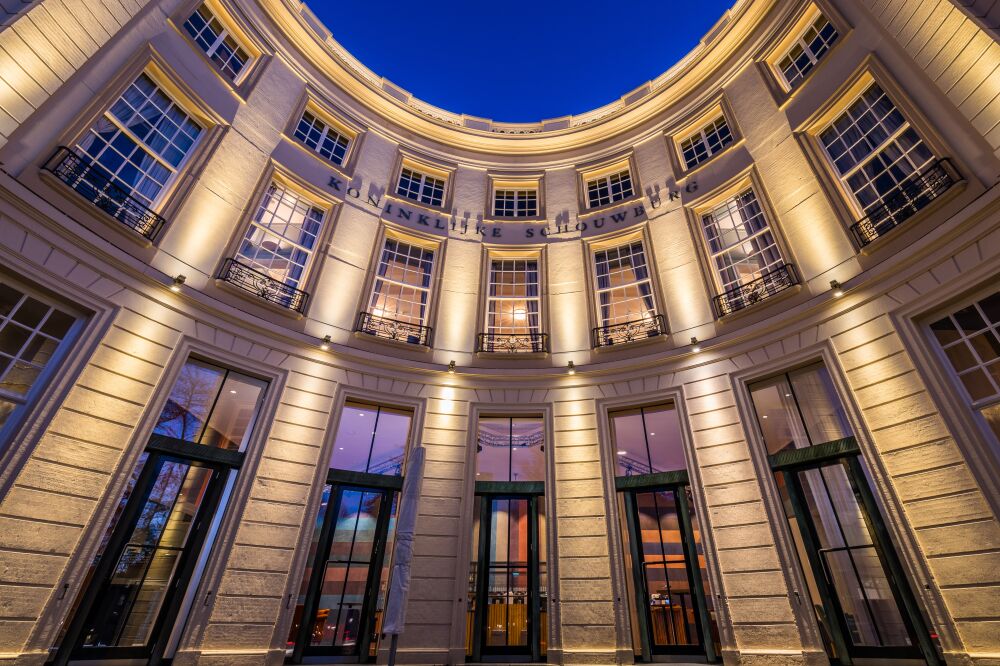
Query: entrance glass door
point(669, 574)
point(670, 611)
point(342, 593)
point(145, 569)
point(507, 612)
point(165, 526)
point(341, 599)
point(864, 605)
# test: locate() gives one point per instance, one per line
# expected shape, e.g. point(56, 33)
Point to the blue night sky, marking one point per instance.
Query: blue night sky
point(534, 60)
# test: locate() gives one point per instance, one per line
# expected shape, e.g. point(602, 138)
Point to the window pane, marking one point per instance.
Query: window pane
point(510, 449)
point(799, 409)
point(371, 439)
point(187, 409)
point(234, 412)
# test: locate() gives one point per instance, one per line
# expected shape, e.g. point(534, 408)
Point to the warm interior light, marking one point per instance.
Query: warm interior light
point(325, 345)
point(838, 290)
point(176, 286)
point(520, 315)
point(695, 347)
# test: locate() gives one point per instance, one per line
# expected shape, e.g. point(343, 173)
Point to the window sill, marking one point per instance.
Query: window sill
point(399, 344)
point(92, 209)
point(513, 356)
point(631, 201)
point(436, 210)
point(917, 218)
point(651, 340)
point(256, 300)
point(762, 304)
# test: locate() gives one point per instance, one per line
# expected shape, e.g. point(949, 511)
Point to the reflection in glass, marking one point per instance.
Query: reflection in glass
point(371, 439)
point(647, 440)
point(799, 409)
point(210, 405)
point(345, 594)
point(125, 613)
point(510, 449)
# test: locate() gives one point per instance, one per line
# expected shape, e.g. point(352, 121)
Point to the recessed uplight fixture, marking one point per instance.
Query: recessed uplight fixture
point(451, 367)
point(837, 288)
point(570, 368)
point(325, 344)
point(695, 345)
point(177, 284)
point(233, 391)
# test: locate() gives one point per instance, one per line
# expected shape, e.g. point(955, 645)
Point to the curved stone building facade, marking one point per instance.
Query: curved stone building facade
point(710, 373)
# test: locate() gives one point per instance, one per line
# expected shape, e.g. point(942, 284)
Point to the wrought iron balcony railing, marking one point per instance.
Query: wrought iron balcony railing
point(903, 202)
point(92, 182)
point(257, 283)
point(629, 331)
point(383, 327)
point(512, 343)
point(767, 285)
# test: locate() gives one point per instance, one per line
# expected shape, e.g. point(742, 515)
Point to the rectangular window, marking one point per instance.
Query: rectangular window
point(420, 187)
point(513, 304)
point(515, 202)
point(371, 439)
point(647, 440)
point(807, 50)
point(402, 283)
point(970, 339)
point(707, 141)
point(741, 246)
point(510, 449)
point(282, 235)
point(218, 44)
point(138, 580)
point(322, 138)
point(609, 188)
point(139, 143)
point(876, 153)
point(32, 331)
point(624, 286)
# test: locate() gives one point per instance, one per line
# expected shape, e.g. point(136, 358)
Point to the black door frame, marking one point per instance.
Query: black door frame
point(339, 481)
point(533, 491)
point(845, 452)
point(676, 482)
point(160, 449)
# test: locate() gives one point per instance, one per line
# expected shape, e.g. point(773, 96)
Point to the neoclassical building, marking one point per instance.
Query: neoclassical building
point(711, 373)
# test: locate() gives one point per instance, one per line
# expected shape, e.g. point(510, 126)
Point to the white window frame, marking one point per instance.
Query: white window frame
point(595, 183)
point(733, 208)
point(330, 131)
point(423, 180)
point(300, 200)
point(807, 50)
point(379, 280)
point(648, 280)
point(527, 329)
point(22, 403)
point(122, 128)
point(521, 193)
point(212, 49)
point(891, 139)
point(713, 126)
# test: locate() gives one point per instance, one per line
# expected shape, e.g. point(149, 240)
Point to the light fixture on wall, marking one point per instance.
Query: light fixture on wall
point(451, 367)
point(838, 289)
point(570, 368)
point(325, 344)
point(695, 345)
point(178, 282)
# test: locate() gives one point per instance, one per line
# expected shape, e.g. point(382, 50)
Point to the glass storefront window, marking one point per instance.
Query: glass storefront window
point(510, 449)
point(647, 440)
point(371, 439)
